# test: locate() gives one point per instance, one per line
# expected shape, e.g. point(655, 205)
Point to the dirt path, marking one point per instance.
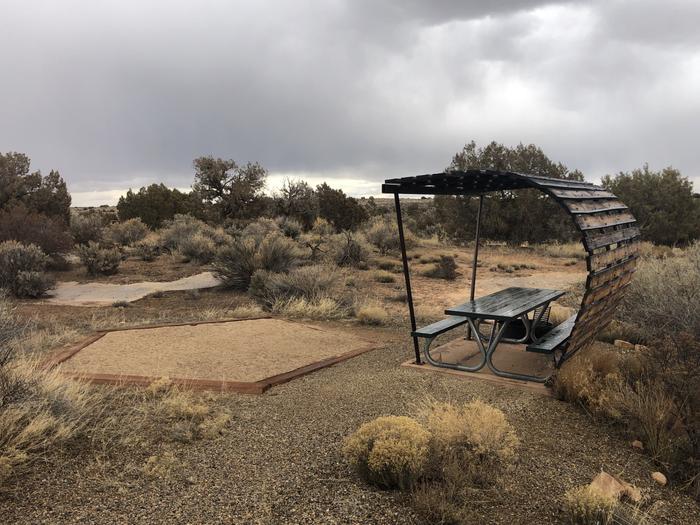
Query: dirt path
point(100, 294)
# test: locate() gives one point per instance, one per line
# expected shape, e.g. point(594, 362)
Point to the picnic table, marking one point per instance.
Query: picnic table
point(500, 308)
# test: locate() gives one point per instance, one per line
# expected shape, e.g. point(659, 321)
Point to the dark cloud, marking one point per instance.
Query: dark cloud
point(118, 94)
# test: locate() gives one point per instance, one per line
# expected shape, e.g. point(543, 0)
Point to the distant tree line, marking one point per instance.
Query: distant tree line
point(226, 192)
point(35, 208)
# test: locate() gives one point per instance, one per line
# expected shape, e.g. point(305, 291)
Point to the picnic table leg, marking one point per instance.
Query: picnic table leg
point(454, 366)
point(493, 344)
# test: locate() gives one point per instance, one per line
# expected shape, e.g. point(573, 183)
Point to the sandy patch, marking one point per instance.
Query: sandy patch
point(101, 294)
point(242, 351)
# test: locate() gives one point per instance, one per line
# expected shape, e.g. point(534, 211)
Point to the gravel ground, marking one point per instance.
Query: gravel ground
point(280, 461)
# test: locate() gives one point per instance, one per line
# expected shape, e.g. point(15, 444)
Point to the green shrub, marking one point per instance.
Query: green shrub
point(445, 269)
point(98, 260)
point(155, 204)
point(236, 262)
point(391, 451)
point(184, 227)
point(147, 250)
point(290, 227)
point(86, 227)
point(260, 229)
point(126, 233)
point(22, 269)
point(385, 236)
point(199, 248)
point(312, 283)
point(347, 249)
point(277, 253)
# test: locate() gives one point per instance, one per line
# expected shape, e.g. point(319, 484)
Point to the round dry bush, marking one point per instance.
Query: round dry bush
point(390, 451)
point(277, 253)
point(260, 229)
point(86, 227)
point(198, 248)
point(126, 233)
point(476, 435)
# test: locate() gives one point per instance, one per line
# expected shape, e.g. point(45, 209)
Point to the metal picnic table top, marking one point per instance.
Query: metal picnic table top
point(505, 305)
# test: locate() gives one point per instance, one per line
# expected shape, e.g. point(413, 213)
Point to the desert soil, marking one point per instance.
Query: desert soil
point(244, 351)
point(280, 461)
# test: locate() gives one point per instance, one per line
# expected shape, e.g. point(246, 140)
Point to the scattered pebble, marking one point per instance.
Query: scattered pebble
point(659, 478)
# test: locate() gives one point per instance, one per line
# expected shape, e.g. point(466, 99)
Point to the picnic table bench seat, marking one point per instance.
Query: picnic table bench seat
point(553, 339)
point(440, 327)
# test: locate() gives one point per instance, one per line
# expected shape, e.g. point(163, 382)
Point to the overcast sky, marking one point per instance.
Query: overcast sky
point(118, 94)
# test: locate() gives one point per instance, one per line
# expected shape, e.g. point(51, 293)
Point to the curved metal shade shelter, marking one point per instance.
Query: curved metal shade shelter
point(609, 234)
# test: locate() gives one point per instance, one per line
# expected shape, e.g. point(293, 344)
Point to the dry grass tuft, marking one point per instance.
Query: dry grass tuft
point(570, 250)
point(247, 310)
point(372, 315)
point(586, 505)
point(382, 276)
point(160, 465)
point(322, 308)
point(39, 411)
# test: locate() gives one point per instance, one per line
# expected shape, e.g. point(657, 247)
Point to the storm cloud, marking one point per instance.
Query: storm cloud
point(119, 94)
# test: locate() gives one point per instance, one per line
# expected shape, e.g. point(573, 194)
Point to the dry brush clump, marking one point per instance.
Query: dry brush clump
point(29, 227)
point(348, 249)
point(441, 456)
point(86, 227)
point(445, 268)
point(371, 314)
point(22, 270)
point(385, 236)
point(99, 260)
point(39, 411)
point(569, 250)
point(653, 392)
point(126, 233)
point(311, 292)
point(236, 262)
point(182, 228)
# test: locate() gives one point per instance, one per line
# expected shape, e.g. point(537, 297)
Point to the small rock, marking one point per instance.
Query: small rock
point(623, 344)
point(659, 478)
point(637, 444)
